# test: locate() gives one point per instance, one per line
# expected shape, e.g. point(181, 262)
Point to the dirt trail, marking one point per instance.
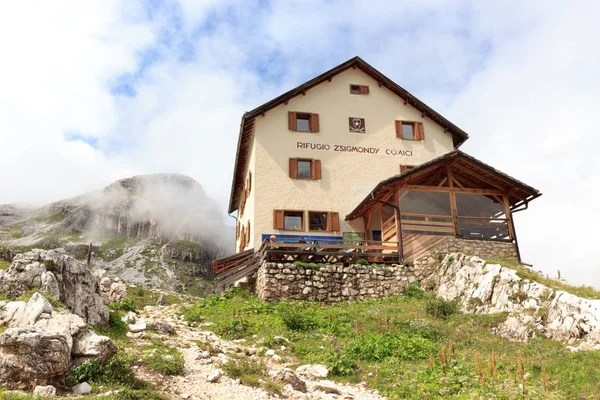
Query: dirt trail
point(200, 365)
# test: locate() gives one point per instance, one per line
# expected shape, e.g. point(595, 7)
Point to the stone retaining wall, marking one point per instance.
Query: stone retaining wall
point(485, 249)
point(331, 282)
point(316, 282)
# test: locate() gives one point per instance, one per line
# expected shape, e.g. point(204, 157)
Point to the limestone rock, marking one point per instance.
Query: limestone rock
point(91, 345)
point(112, 289)
point(214, 376)
point(139, 326)
point(44, 391)
point(33, 356)
point(129, 318)
point(60, 276)
point(315, 371)
point(82, 388)
point(288, 376)
point(162, 327)
point(327, 387)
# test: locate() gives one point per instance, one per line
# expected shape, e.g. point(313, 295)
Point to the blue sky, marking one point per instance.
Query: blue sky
point(97, 91)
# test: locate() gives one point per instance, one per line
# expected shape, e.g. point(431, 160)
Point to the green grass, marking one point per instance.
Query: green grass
point(113, 248)
point(149, 297)
point(523, 272)
point(57, 305)
point(185, 246)
point(398, 348)
point(251, 372)
point(4, 264)
point(165, 359)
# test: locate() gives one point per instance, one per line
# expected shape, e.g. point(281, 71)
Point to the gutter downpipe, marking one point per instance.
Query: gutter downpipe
point(397, 212)
point(526, 203)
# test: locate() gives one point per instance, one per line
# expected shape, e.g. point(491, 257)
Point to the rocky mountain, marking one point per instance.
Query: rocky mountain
point(155, 230)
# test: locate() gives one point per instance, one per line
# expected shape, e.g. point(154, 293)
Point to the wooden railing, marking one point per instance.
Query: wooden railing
point(231, 269)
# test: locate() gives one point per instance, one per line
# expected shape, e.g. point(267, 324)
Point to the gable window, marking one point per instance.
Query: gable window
point(359, 89)
point(410, 130)
point(289, 220)
point(303, 122)
point(317, 221)
point(302, 168)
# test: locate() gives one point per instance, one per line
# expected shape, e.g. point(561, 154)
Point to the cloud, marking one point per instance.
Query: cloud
point(96, 91)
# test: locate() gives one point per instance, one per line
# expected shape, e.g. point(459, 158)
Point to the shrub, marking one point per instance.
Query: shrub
point(362, 261)
point(247, 370)
point(234, 329)
point(414, 291)
point(297, 319)
point(440, 308)
point(340, 363)
point(123, 305)
point(116, 328)
point(377, 347)
point(165, 359)
point(140, 292)
point(115, 371)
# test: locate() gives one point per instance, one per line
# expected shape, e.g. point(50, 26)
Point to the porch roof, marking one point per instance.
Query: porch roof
point(467, 171)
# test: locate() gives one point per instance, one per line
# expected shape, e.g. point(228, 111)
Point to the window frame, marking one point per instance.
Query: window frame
point(308, 119)
point(310, 170)
point(416, 136)
point(303, 220)
point(327, 227)
point(362, 89)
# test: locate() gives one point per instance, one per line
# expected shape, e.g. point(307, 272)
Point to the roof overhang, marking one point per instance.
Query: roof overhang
point(246, 127)
point(482, 177)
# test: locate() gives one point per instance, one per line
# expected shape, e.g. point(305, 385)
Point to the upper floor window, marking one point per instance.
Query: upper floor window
point(303, 122)
point(359, 89)
point(294, 220)
point(303, 168)
point(410, 130)
point(288, 220)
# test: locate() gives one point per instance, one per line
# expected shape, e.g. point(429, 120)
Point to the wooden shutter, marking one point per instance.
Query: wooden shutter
point(403, 168)
point(293, 168)
point(248, 233)
point(333, 221)
point(237, 230)
point(315, 169)
point(242, 239)
point(419, 131)
point(291, 121)
point(249, 181)
point(364, 89)
point(278, 219)
point(314, 122)
point(399, 129)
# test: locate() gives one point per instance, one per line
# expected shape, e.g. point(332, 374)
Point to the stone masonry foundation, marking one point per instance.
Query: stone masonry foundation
point(334, 283)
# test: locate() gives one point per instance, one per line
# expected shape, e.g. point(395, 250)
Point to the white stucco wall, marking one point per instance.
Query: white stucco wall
point(346, 177)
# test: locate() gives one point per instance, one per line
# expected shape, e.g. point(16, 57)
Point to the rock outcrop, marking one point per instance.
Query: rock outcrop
point(533, 308)
point(41, 344)
point(112, 288)
point(60, 276)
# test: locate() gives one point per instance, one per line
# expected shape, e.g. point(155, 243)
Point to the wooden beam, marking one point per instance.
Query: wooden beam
point(426, 188)
point(511, 229)
point(479, 176)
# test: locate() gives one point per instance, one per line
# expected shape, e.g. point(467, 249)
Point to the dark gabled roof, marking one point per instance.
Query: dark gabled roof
point(458, 135)
point(522, 192)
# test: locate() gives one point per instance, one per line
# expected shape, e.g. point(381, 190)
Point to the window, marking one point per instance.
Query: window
point(293, 220)
point(356, 125)
point(305, 168)
point(359, 89)
point(303, 122)
point(410, 130)
point(317, 221)
point(404, 168)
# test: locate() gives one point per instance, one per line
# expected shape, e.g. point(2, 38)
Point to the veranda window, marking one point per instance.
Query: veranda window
point(426, 213)
point(481, 216)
